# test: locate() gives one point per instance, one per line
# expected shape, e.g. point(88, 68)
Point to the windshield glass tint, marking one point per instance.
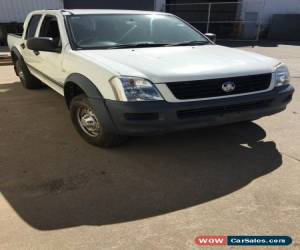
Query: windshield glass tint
point(104, 31)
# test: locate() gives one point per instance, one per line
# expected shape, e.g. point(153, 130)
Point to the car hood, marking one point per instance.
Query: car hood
point(169, 64)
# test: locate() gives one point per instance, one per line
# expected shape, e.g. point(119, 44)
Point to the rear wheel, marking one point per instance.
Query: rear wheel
point(27, 79)
point(89, 126)
point(246, 122)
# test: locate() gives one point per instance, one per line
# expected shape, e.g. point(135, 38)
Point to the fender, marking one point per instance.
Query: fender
point(15, 51)
point(95, 99)
point(85, 84)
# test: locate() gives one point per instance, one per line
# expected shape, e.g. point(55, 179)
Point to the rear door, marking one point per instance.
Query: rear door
point(28, 55)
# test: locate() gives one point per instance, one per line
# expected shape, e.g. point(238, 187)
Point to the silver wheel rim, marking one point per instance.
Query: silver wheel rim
point(20, 73)
point(88, 121)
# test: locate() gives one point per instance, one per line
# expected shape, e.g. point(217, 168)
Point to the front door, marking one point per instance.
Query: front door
point(50, 66)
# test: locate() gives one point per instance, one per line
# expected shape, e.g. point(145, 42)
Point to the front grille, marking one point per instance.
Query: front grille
point(213, 87)
point(194, 113)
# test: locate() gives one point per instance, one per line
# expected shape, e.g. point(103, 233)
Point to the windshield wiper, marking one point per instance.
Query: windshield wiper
point(189, 43)
point(136, 45)
point(150, 44)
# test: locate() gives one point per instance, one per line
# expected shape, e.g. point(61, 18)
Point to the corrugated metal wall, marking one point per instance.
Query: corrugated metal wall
point(17, 10)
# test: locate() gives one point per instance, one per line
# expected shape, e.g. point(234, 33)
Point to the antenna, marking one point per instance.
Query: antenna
point(66, 11)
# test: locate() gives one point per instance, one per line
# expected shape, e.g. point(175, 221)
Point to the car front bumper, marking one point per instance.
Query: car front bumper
point(146, 118)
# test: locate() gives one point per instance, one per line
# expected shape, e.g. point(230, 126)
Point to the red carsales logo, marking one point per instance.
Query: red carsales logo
point(211, 240)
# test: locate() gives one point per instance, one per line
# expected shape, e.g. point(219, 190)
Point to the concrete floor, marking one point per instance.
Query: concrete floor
point(58, 192)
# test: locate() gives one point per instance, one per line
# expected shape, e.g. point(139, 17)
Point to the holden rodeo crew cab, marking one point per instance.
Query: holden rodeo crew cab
point(126, 73)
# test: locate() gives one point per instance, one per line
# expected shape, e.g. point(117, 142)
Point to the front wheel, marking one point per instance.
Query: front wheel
point(89, 126)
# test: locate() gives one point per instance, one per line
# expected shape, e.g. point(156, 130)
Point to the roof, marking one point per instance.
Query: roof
point(99, 11)
point(107, 11)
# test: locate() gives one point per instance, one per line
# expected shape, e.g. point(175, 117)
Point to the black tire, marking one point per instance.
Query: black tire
point(26, 78)
point(246, 122)
point(101, 137)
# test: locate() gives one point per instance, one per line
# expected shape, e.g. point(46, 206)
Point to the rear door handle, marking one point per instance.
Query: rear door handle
point(23, 45)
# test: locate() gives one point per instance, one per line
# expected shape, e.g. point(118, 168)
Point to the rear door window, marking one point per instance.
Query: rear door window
point(32, 26)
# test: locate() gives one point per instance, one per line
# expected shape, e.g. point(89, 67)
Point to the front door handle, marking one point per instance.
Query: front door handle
point(36, 52)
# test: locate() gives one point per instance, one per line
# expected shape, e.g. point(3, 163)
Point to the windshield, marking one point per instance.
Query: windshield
point(134, 30)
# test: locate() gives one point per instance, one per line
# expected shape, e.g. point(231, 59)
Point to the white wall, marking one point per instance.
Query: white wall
point(267, 8)
point(17, 10)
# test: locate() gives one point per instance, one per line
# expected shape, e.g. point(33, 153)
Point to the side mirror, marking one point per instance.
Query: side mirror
point(211, 36)
point(42, 44)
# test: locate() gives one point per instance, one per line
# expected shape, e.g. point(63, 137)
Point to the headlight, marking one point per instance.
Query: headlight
point(282, 75)
point(133, 89)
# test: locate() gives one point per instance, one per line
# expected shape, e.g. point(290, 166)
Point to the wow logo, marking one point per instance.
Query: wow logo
point(243, 241)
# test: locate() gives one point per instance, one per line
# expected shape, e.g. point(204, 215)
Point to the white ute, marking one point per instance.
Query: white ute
point(129, 73)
